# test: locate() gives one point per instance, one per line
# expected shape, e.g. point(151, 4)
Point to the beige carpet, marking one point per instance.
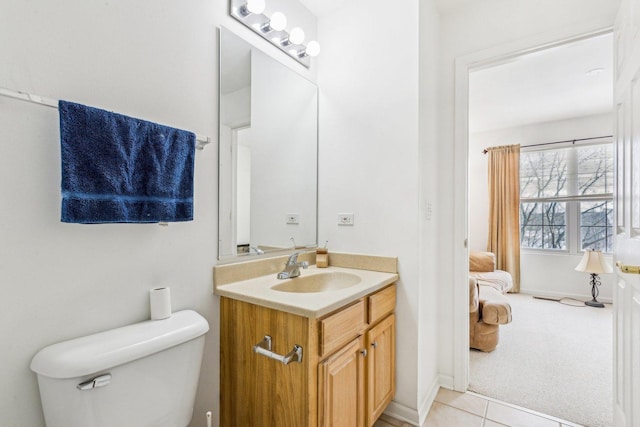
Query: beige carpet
point(553, 358)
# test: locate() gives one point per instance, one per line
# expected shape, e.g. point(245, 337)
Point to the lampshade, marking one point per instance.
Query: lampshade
point(593, 262)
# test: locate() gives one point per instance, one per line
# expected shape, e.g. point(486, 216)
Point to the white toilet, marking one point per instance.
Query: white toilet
point(140, 375)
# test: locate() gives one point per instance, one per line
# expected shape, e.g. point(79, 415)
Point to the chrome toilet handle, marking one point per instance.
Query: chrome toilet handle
point(95, 382)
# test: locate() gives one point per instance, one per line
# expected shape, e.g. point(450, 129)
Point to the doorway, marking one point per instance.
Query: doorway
point(490, 124)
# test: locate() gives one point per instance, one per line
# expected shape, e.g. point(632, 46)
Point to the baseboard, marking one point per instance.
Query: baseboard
point(559, 295)
point(403, 413)
point(425, 405)
point(446, 381)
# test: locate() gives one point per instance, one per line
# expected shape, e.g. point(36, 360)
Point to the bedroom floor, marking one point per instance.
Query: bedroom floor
point(554, 358)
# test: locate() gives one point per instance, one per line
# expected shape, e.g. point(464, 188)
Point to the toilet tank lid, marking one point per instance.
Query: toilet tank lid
point(104, 350)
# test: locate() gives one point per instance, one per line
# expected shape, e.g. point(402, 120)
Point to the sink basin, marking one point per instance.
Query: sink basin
point(321, 282)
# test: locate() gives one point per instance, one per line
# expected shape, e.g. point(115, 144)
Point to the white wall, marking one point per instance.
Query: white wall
point(536, 267)
point(486, 27)
point(154, 59)
point(369, 160)
point(428, 256)
point(554, 276)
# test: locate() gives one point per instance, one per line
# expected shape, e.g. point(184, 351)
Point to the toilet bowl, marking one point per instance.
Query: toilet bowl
point(141, 375)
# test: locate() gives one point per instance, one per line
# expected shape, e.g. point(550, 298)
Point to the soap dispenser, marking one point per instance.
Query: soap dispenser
point(322, 256)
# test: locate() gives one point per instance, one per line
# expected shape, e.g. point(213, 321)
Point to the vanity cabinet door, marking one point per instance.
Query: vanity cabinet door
point(341, 389)
point(256, 390)
point(381, 361)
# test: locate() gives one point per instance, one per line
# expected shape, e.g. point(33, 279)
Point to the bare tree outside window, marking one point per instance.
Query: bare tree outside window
point(554, 183)
point(596, 225)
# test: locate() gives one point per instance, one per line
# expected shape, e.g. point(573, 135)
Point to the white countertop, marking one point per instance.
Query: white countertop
point(311, 304)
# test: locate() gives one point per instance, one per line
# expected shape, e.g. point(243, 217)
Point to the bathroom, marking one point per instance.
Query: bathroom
point(386, 153)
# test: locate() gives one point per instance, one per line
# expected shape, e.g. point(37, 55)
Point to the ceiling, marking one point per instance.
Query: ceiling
point(323, 7)
point(552, 84)
point(447, 6)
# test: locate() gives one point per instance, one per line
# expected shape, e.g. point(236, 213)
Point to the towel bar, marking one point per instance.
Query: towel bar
point(264, 348)
point(201, 141)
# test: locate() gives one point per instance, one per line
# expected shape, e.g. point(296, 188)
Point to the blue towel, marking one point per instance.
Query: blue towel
point(121, 169)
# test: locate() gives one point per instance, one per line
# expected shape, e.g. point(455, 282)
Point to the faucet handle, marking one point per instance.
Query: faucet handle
point(293, 258)
point(304, 264)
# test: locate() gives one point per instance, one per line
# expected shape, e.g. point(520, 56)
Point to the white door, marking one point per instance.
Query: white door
point(626, 295)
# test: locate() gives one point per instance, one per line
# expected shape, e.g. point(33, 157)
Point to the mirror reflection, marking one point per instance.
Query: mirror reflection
point(268, 153)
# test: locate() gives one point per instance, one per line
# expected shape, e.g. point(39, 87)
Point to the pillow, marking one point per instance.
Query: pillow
point(482, 261)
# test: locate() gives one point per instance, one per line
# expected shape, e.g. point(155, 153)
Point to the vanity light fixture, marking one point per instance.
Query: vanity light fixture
point(278, 22)
point(252, 7)
point(312, 50)
point(251, 14)
point(296, 36)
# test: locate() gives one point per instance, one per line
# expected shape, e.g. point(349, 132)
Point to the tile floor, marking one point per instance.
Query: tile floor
point(473, 410)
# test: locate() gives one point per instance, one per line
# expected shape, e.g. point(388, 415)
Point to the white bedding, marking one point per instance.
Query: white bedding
point(498, 279)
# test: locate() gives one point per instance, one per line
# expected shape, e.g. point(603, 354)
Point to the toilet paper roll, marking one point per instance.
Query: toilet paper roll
point(160, 303)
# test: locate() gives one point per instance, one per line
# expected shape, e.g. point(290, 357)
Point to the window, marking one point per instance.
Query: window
point(566, 198)
point(596, 225)
point(544, 225)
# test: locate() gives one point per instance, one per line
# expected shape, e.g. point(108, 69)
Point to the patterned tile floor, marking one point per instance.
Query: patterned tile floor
point(451, 409)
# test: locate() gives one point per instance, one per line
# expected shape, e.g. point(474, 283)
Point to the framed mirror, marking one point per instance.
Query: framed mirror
point(268, 142)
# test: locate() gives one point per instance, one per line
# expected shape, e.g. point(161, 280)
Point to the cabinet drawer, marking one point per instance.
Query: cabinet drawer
point(340, 327)
point(381, 303)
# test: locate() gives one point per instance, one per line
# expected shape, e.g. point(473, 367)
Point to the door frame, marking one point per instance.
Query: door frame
point(463, 66)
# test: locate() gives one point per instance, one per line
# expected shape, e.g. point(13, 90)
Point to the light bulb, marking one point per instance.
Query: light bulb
point(278, 21)
point(255, 6)
point(296, 36)
point(313, 48)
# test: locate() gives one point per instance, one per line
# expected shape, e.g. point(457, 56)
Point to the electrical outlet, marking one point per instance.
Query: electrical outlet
point(428, 210)
point(292, 218)
point(345, 219)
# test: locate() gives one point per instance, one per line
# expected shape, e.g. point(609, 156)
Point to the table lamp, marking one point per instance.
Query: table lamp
point(593, 263)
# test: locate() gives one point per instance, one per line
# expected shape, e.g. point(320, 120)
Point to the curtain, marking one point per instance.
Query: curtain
point(504, 209)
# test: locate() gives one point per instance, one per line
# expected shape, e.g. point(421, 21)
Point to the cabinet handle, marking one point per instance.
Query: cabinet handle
point(363, 352)
point(374, 344)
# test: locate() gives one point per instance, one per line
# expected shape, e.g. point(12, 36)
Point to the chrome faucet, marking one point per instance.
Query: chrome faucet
point(292, 267)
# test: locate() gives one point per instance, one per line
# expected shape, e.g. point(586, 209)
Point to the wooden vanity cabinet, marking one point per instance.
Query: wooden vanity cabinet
point(380, 343)
point(381, 362)
point(341, 387)
point(347, 374)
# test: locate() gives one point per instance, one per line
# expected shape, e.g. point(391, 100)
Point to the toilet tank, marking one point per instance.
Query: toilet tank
point(140, 375)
